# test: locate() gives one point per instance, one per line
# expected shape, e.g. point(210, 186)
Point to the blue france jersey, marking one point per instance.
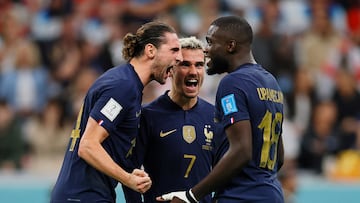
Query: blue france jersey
point(252, 93)
point(114, 101)
point(176, 147)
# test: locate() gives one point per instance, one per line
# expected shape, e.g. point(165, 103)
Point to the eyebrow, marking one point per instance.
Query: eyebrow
point(175, 49)
point(188, 63)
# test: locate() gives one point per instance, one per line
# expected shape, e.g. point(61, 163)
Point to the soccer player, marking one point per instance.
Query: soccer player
point(249, 105)
point(101, 143)
point(177, 142)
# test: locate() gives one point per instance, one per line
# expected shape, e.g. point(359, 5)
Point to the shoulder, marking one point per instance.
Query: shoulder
point(204, 108)
point(153, 106)
point(118, 73)
point(202, 102)
point(120, 78)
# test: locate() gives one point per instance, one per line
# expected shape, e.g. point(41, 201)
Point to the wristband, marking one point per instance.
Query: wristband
point(190, 196)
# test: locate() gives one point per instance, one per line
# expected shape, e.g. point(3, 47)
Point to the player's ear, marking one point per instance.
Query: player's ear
point(231, 46)
point(150, 50)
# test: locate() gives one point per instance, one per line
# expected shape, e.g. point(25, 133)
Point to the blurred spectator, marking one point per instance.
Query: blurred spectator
point(185, 13)
point(291, 139)
point(92, 27)
point(347, 100)
point(65, 54)
point(352, 8)
point(294, 16)
point(272, 48)
point(12, 145)
point(116, 42)
point(289, 182)
point(137, 12)
point(48, 136)
point(300, 102)
point(46, 25)
point(238, 7)
point(246, 8)
point(85, 39)
point(320, 140)
point(347, 56)
point(146, 10)
point(12, 34)
point(76, 92)
point(315, 46)
point(208, 10)
point(25, 87)
point(95, 56)
point(111, 16)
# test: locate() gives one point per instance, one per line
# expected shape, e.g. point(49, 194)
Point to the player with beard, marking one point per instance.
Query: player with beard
point(249, 105)
point(178, 139)
point(100, 148)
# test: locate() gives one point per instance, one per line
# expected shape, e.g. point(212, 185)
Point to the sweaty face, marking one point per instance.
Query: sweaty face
point(215, 52)
point(188, 75)
point(167, 55)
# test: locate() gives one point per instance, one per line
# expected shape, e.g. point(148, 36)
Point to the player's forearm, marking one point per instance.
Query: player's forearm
point(221, 174)
point(236, 157)
point(95, 155)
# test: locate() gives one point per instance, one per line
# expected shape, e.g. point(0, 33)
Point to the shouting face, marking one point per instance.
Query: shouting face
point(188, 75)
point(165, 57)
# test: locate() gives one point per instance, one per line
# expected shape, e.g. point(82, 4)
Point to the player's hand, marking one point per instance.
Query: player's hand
point(179, 196)
point(139, 181)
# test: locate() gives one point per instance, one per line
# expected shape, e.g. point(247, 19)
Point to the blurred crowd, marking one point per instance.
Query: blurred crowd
point(52, 50)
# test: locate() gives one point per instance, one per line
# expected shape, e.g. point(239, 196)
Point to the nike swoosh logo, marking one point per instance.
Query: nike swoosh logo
point(163, 134)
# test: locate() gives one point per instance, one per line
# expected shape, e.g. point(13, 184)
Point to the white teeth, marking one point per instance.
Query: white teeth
point(168, 69)
point(191, 82)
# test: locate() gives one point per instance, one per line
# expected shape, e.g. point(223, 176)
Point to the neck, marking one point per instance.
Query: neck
point(143, 68)
point(249, 58)
point(185, 103)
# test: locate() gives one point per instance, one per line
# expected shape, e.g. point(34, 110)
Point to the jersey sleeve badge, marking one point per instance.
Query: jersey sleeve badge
point(111, 109)
point(228, 104)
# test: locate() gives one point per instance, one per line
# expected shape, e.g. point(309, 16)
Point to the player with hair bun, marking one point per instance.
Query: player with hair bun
point(100, 147)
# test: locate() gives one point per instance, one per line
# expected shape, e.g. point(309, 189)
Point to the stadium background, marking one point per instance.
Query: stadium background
point(52, 50)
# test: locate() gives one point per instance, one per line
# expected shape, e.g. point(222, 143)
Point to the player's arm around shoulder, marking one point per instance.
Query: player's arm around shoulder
point(91, 150)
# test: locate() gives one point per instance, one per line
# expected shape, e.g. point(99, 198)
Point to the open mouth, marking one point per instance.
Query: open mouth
point(191, 82)
point(168, 69)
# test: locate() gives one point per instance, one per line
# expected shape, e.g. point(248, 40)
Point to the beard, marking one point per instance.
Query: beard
point(211, 71)
point(217, 65)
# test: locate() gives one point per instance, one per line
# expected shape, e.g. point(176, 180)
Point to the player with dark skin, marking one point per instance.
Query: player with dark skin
point(247, 171)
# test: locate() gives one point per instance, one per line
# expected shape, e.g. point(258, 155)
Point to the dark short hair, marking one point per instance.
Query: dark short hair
point(152, 32)
point(235, 27)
